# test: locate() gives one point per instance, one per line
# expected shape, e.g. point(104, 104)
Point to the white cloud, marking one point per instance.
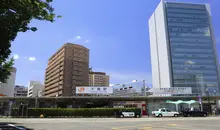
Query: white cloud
point(78, 37)
point(16, 56)
point(111, 85)
point(87, 41)
point(32, 58)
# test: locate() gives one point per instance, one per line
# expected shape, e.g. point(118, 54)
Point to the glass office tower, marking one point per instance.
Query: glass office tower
point(183, 52)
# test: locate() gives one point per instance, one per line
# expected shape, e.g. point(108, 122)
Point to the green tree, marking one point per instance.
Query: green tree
point(15, 15)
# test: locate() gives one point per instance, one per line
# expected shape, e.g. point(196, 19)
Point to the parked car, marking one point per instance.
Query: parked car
point(122, 114)
point(164, 112)
point(195, 112)
point(6, 126)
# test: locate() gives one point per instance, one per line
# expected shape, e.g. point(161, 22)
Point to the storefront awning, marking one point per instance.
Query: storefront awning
point(175, 102)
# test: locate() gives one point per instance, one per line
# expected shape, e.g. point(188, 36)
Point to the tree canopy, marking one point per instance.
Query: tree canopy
point(15, 16)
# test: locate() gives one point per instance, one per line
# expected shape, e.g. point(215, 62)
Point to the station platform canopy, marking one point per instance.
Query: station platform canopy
point(181, 101)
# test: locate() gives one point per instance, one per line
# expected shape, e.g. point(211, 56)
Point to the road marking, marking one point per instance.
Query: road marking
point(118, 129)
point(84, 120)
point(146, 128)
point(171, 124)
point(132, 126)
point(205, 125)
point(167, 127)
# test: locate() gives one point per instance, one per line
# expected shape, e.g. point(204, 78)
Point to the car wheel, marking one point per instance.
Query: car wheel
point(160, 115)
point(121, 116)
point(204, 115)
point(175, 115)
point(137, 116)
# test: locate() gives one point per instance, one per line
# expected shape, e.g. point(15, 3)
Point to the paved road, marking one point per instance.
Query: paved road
point(181, 123)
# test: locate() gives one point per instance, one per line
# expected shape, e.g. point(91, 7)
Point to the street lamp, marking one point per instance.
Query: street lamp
point(208, 94)
point(207, 91)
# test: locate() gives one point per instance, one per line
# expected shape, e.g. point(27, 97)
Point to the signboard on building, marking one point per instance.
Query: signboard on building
point(94, 90)
point(172, 90)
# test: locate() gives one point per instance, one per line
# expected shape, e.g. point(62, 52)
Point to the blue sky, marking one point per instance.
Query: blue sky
point(115, 31)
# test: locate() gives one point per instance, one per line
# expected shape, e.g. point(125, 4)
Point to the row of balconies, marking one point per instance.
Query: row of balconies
point(53, 81)
point(55, 76)
point(54, 90)
point(53, 85)
point(52, 74)
point(57, 56)
point(50, 69)
point(60, 61)
point(58, 67)
point(50, 78)
point(53, 94)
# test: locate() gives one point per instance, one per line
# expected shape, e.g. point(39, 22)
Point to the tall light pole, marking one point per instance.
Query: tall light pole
point(208, 94)
point(210, 107)
point(144, 85)
point(36, 98)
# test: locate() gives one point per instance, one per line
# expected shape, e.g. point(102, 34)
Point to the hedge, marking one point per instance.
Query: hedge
point(74, 112)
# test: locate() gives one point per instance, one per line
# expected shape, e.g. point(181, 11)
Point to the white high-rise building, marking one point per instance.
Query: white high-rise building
point(35, 88)
point(7, 89)
point(183, 47)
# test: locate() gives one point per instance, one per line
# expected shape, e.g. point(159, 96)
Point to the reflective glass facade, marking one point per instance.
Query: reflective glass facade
point(192, 54)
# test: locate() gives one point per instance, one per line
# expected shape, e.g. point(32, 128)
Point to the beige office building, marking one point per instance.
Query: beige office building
point(66, 69)
point(98, 79)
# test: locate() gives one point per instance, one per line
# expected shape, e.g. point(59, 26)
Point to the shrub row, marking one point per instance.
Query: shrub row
point(73, 112)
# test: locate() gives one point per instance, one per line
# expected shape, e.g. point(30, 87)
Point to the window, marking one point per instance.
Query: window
point(195, 109)
point(181, 15)
point(185, 6)
point(168, 110)
point(163, 110)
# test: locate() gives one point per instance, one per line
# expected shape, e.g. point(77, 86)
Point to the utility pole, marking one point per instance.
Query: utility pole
point(144, 86)
point(36, 100)
point(10, 105)
point(210, 106)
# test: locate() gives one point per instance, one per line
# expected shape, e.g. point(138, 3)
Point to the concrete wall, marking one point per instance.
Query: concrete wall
point(7, 88)
point(154, 52)
point(214, 44)
point(160, 62)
